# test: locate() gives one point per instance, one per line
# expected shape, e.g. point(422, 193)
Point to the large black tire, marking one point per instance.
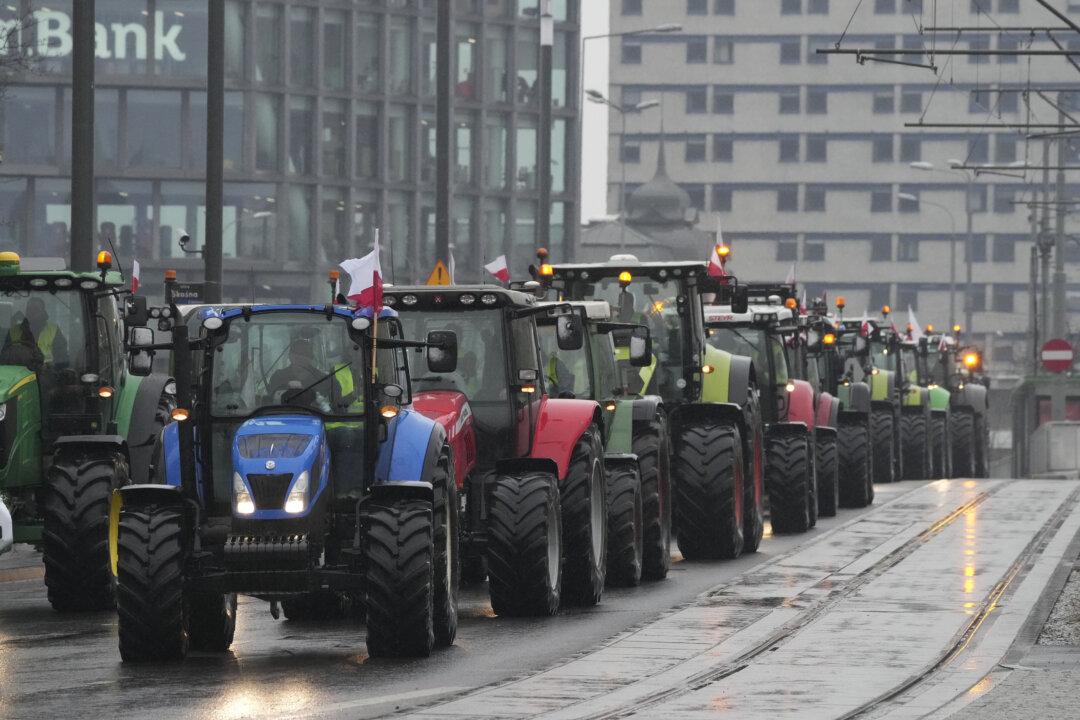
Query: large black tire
point(963, 443)
point(447, 573)
point(915, 445)
point(939, 433)
point(654, 460)
point(75, 506)
point(583, 494)
point(754, 479)
point(152, 610)
point(982, 447)
point(812, 503)
point(855, 468)
point(624, 526)
point(212, 622)
point(399, 583)
point(708, 472)
point(524, 545)
point(883, 444)
point(828, 469)
point(788, 475)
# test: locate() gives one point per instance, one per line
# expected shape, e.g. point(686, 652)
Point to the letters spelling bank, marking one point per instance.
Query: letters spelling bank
point(54, 37)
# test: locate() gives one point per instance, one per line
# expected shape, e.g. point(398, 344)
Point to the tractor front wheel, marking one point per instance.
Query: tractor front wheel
point(963, 444)
point(624, 540)
point(709, 482)
point(855, 473)
point(827, 476)
point(884, 446)
point(583, 494)
point(914, 444)
point(213, 621)
point(447, 562)
point(654, 461)
point(788, 479)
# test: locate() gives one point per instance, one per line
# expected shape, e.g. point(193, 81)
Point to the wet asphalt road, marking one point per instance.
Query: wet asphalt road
point(54, 665)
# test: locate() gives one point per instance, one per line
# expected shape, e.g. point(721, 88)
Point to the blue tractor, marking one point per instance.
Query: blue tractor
point(297, 469)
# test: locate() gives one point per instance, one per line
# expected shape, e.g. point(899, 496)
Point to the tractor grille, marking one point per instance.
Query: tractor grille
point(270, 490)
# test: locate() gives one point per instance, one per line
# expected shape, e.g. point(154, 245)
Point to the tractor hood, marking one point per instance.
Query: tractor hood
point(449, 408)
point(13, 377)
point(271, 454)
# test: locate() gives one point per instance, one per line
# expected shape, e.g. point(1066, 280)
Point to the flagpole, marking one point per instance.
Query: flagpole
point(375, 313)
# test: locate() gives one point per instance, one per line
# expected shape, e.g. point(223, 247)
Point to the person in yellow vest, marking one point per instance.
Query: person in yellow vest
point(36, 340)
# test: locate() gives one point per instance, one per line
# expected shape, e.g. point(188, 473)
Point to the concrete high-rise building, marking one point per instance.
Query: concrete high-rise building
point(813, 161)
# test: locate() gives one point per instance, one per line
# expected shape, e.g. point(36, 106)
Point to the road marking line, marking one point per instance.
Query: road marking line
point(325, 709)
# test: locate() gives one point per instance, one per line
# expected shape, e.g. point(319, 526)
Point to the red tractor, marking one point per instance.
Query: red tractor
point(529, 467)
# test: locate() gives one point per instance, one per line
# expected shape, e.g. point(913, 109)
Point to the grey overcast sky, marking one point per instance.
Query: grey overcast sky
point(594, 21)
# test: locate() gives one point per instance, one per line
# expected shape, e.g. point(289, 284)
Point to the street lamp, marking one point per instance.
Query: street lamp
point(956, 167)
point(664, 28)
point(952, 250)
point(597, 97)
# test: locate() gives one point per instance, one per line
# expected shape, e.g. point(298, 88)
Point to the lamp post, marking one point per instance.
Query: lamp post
point(598, 97)
point(952, 250)
point(955, 168)
point(664, 28)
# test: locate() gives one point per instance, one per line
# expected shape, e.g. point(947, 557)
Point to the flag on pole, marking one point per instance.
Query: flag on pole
point(802, 303)
point(716, 263)
point(865, 329)
point(916, 331)
point(366, 287)
point(497, 267)
point(450, 269)
point(942, 346)
point(719, 235)
point(134, 276)
point(790, 279)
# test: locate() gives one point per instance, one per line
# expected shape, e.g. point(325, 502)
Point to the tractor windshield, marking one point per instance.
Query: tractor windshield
point(882, 356)
point(290, 359)
point(763, 348)
point(567, 371)
point(43, 329)
point(481, 368)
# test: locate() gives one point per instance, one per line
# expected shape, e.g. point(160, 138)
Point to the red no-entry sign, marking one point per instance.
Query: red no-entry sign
point(1056, 355)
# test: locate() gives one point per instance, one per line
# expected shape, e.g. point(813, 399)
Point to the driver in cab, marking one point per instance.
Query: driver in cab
point(303, 383)
point(35, 340)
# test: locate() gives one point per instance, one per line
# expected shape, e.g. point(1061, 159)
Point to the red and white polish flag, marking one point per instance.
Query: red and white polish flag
point(366, 288)
point(497, 267)
point(134, 276)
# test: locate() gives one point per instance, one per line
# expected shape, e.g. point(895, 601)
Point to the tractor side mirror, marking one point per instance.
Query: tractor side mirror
point(570, 331)
point(814, 341)
point(135, 312)
point(140, 357)
point(740, 301)
point(640, 347)
point(442, 352)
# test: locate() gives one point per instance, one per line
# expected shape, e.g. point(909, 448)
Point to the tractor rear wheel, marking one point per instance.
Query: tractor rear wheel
point(883, 445)
point(788, 478)
point(400, 597)
point(447, 561)
point(753, 477)
point(708, 472)
point(76, 498)
point(654, 460)
point(914, 444)
point(939, 424)
point(583, 494)
point(213, 621)
point(827, 476)
point(152, 606)
point(525, 545)
point(855, 479)
point(963, 443)
point(624, 541)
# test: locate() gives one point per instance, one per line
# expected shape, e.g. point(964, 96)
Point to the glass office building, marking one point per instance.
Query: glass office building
point(329, 136)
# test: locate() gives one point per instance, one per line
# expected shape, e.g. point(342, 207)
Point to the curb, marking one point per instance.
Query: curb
point(24, 573)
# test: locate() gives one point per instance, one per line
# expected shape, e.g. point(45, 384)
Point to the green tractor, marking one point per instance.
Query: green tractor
point(710, 395)
point(959, 369)
point(75, 424)
point(934, 401)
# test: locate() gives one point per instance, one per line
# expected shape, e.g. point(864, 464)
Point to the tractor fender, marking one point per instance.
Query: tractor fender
point(972, 395)
point(647, 407)
point(801, 403)
point(412, 446)
point(882, 386)
point(854, 417)
point(822, 432)
point(558, 427)
point(452, 411)
point(91, 443)
point(136, 419)
point(917, 397)
point(886, 405)
point(616, 460)
point(857, 397)
point(828, 411)
point(939, 398)
point(518, 466)
point(723, 413)
point(170, 451)
point(786, 429)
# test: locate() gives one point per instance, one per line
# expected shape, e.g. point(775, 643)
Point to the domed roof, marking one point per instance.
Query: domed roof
point(660, 201)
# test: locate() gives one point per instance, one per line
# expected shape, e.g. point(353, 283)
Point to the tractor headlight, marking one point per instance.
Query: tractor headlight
point(244, 504)
point(297, 499)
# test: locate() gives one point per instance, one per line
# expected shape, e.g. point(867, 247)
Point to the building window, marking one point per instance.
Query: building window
point(722, 149)
point(631, 151)
point(631, 52)
point(977, 298)
point(910, 147)
point(881, 199)
point(724, 7)
point(721, 198)
point(814, 201)
point(1008, 42)
point(723, 51)
point(696, 102)
point(791, 7)
point(696, 191)
point(910, 101)
point(1003, 299)
point(695, 148)
point(1004, 353)
point(880, 295)
point(787, 198)
point(817, 101)
point(789, 148)
point(978, 198)
point(813, 57)
point(908, 206)
point(907, 250)
point(789, 52)
point(813, 250)
point(979, 101)
point(1003, 200)
point(789, 102)
point(723, 101)
point(1008, 102)
point(883, 148)
point(978, 151)
point(979, 43)
point(1009, 6)
point(787, 250)
point(880, 250)
point(885, 7)
point(907, 297)
point(817, 148)
point(977, 246)
point(697, 7)
point(818, 7)
point(1004, 250)
point(631, 7)
point(883, 102)
point(914, 43)
point(697, 51)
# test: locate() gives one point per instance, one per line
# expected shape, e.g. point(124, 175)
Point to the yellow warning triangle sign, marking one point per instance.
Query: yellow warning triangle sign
point(439, 276)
